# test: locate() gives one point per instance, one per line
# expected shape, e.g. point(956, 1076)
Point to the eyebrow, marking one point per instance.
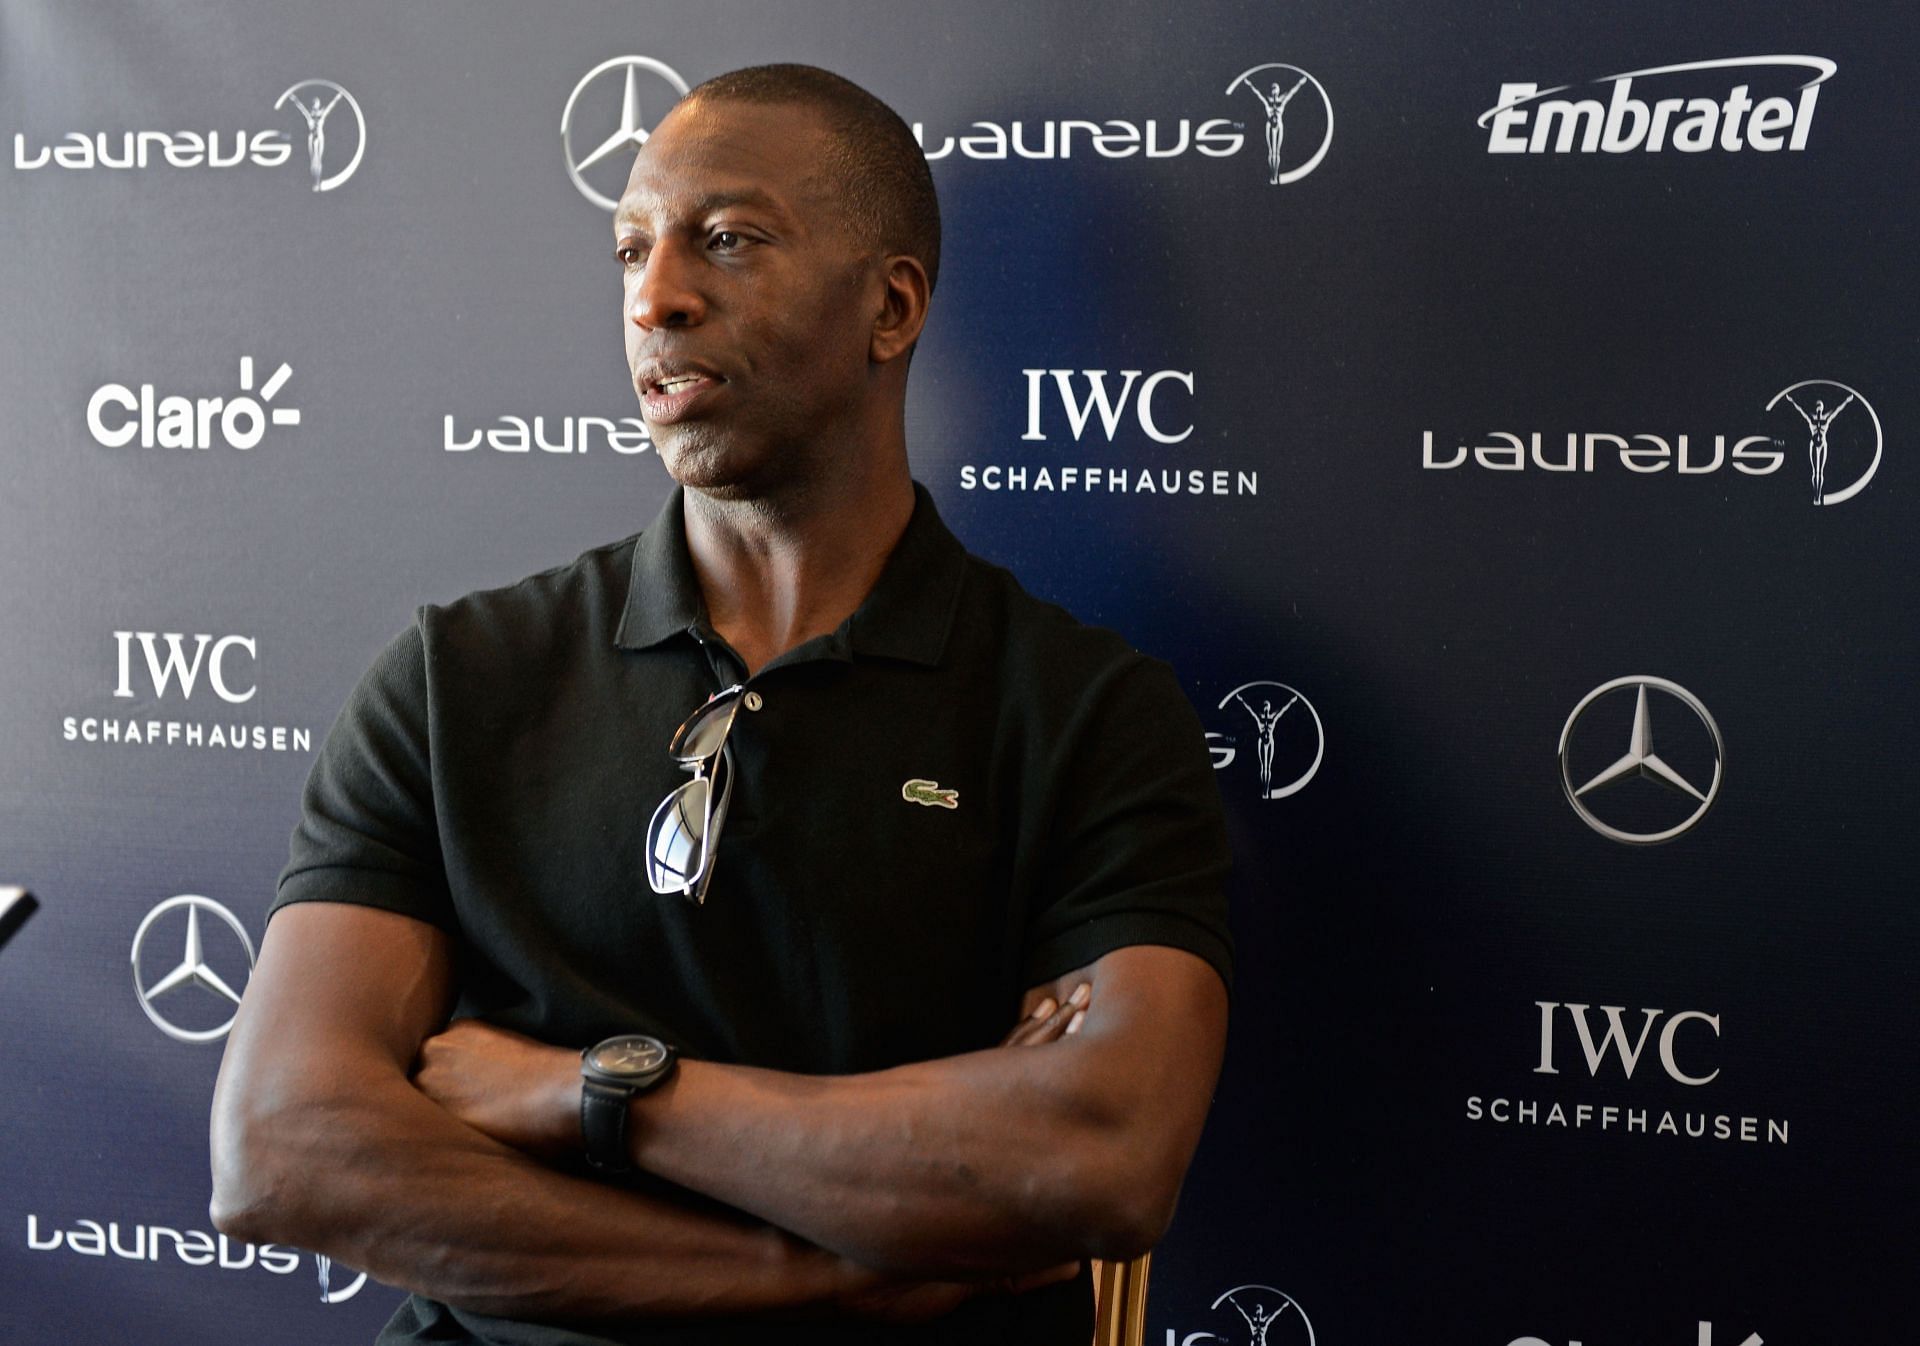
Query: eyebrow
point(624, 217)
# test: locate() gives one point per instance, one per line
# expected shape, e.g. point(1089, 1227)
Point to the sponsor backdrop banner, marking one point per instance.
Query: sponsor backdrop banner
point(1501, 417)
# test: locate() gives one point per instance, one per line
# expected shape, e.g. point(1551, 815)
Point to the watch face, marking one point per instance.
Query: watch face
point(632, 1056)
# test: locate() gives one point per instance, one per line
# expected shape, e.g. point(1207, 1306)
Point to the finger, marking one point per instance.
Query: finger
point(1026, 1025)
point(1037, 1032)
point(1056, 1024)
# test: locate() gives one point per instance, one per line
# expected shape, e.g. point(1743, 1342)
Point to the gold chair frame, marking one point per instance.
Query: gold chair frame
point(1120, 1301)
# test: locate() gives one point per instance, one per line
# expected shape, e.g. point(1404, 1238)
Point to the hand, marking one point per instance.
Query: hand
point(1049, 1022)
point(888, 1300)
point(519, 1091)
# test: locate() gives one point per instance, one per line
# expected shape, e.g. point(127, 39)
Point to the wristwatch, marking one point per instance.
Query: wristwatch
point(612, 1074)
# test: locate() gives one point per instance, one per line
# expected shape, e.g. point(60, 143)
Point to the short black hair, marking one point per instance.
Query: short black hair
point(879, 168)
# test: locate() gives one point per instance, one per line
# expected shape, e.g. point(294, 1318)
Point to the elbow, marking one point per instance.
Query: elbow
point(1130, 1224)
point(255, 1189)
point(246, 1204)
point(1123, 1202)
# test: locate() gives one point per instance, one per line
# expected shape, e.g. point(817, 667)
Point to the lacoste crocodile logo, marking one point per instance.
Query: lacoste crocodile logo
point(929, 793)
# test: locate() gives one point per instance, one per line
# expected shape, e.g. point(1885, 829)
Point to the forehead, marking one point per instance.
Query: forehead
point(706, 152)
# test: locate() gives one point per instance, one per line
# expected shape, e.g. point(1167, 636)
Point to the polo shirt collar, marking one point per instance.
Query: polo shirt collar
point(908, 615)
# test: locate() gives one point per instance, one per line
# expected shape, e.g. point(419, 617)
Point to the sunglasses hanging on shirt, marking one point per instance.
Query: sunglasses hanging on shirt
point(685, 829)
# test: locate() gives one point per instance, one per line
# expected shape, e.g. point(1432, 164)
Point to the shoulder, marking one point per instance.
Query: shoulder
point(553, 606)
point(1044, 646)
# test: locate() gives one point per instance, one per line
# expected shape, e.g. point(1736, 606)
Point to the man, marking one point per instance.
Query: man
point(948, 809)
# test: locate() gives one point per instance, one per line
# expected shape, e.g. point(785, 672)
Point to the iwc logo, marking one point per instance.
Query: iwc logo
point(627, 135)
point(1283, 85)
point(202, 988)
point(1282, 737)
point(1686, 761)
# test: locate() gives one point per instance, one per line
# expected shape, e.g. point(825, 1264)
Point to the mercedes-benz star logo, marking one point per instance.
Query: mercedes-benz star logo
point(630, 134)
point(1273, 1317)
point(1641, 762)
point(193, 969)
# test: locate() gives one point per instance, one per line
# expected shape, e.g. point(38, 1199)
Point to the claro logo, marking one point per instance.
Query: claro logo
point(117, 415)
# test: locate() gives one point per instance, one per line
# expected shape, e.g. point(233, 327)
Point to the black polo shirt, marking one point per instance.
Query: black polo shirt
point(495, 769)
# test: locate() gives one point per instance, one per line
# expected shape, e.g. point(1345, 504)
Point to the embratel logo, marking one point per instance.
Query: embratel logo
point(118, 416)
point(1286, 742)
point(600, 131)
point(557, 435)
point(200, 998)
point(193, 1247)
point(1296, 131)
point(1527, 119)
point(1252, 1315)
point(317, 101)
point(1829, 426)
point(1611, 1048)
point(1675, 794)
point(1072, 410)
point(174, 666)
point(1705, 1338)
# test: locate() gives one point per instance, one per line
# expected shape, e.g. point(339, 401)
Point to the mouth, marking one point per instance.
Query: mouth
point(670, 393)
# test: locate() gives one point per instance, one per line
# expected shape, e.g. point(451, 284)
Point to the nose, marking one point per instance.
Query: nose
point(664, 292)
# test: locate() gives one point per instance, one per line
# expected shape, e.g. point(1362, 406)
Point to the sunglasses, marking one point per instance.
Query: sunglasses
point(686, 827)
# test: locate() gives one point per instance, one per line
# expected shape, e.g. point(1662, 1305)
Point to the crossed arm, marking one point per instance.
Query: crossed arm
point(347, 1120)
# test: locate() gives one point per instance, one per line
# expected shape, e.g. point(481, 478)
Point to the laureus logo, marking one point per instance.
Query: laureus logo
point(1858, 447)
point(1284, 84)
point(1252, 1315)
point(1281, 735)
point(315, 100)
point(330, 119)
point(1828, 426)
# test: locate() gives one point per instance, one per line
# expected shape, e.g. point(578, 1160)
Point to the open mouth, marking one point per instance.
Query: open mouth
point(671, 397)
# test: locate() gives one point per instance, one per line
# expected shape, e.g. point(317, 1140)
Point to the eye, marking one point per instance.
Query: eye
point(725, 240)
point(629, 254)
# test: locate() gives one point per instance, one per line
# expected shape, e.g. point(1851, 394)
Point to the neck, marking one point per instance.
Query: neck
point(778, 571)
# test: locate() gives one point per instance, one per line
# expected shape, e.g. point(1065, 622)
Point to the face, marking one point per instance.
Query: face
point(748, 302)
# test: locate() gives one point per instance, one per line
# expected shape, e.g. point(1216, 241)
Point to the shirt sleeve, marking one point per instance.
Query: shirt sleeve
point(367, 832)
point(1139, 851)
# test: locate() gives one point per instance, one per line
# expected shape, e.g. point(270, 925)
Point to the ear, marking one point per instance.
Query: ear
point(903, 309)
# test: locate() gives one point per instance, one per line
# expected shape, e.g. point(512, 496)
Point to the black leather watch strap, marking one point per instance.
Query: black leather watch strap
point(603, 1125)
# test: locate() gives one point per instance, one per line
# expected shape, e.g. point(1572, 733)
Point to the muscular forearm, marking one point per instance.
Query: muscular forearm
point(384, 1179)
point(1052, 1147)
point(985, 1163)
